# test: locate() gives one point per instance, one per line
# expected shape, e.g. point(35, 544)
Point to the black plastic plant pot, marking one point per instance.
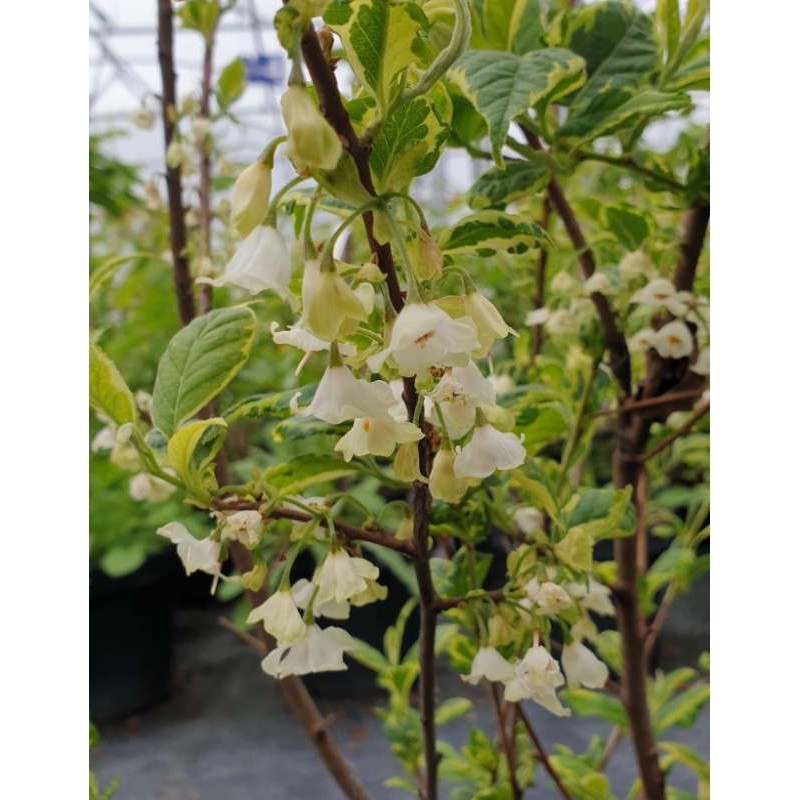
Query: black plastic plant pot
point(130, 638)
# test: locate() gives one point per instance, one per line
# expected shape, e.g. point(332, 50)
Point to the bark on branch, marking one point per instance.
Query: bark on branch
point(177, 226)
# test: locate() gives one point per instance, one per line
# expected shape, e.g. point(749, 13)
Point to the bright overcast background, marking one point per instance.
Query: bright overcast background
point(124, 73)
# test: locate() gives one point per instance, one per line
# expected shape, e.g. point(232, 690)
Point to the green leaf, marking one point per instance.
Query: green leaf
point(287, 27)
point(587, 703)
point(94, 735)
point(682, 710)
point(488, 232)
point(668, 26)
point(275, 404)
point(678, 753)
point(502, 86)
point(295, 476)
point(194, 464)
point(511, 25)
point(377, 37)
point(693, 22)
point(408, 144)
point(602, 120)
point(108, 392)
point(199, 15)
point(199, 362)
point(607, 513)
point(368, 656)
point(123, 559)
point(539, 495)
point(498, 187)
point(393, 636)
point(616, 40)
point(231, 83)
point(109, 266)
point(452, 708)
point(630, 228)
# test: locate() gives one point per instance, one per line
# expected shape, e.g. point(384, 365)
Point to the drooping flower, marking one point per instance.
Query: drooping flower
point(598, 282)
point(489, 664)
point(488, 322)
point(341, 396)
point(144, 486)
point(674, 340)
point(642, 339)
point(302, 594)
point(406, 463)
point(341, 576)
point(661, 292)
point(582, 667)
point(312, 142)
point(105, 439)
point(196, 554)
point(548, 597)
point(537, 317)
point(318, 650)
point(377, 436)
point(250, 198)
point(488, 450)
point(330, 306)
point(260, 262)
point(444, 484)
point(564, 283)
point(467, 381)
point(424, 336)
point(243, 526)
point(142, 118)
point(597, 597)
point(428, 265)
point(528, 519)
point(280, 617)
point(634, 264)
point(536, 677)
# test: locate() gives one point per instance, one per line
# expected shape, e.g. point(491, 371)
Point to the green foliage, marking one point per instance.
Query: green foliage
point(108, 392)
point(199, 362)
point(488, 232)
point(231, 83)
point(111, 182)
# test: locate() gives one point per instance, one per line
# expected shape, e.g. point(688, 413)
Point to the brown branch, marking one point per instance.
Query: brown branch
point(205, 294)
point(506, 745)
point(620, 360)
point(614, 738)
point(299, 700)
point(177, 226)
point(629, 163)
point(676, 434)
point(695, 224)
point(446, 603)
point(541, 753)
point(541, 272)
point(649, 402)
point(348, 532)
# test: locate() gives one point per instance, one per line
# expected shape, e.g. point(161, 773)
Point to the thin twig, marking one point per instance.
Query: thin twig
point(205, 294)
point(177, 226)
point(246, 637)
point(676, 434)
point(541, 273)
point(349, 532)
point(506, 744)
point(649, 402)
point(627, 162)
point(615, 338)
point(614, 738)
point(541, 753)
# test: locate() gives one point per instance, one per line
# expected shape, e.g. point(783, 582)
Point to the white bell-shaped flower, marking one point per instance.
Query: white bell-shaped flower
point(342, 575)
point(702, 365)
point(489, 664)
point(260, 262)
point(376, 436)
point(147, 487)
point(341, 396)
point(582, 667)
point(317, 650)
point(635, 264)
point(661, 292)
point(302, 594)
point(528, 519)
point(596, 597)
point(488, 322)
point(424, 336)
point(197, 555)
point(280, 617)
point(674, 340)
point(488, 450)
point(548, 598)
point(598, 282)
point(243, 526)
point(467, 382)
point(536, 677)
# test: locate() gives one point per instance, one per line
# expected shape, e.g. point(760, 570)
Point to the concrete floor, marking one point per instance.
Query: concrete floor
point(225, 734)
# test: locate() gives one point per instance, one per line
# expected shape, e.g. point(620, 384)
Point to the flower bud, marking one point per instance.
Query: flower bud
point(174, 154)
point(312, 141)
point(147, 487)
point(443, 481)
point(201, 127)
point(406, 463)
point(429, 261)
point(250, 198)
point(254, 579)
point(142, 118)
